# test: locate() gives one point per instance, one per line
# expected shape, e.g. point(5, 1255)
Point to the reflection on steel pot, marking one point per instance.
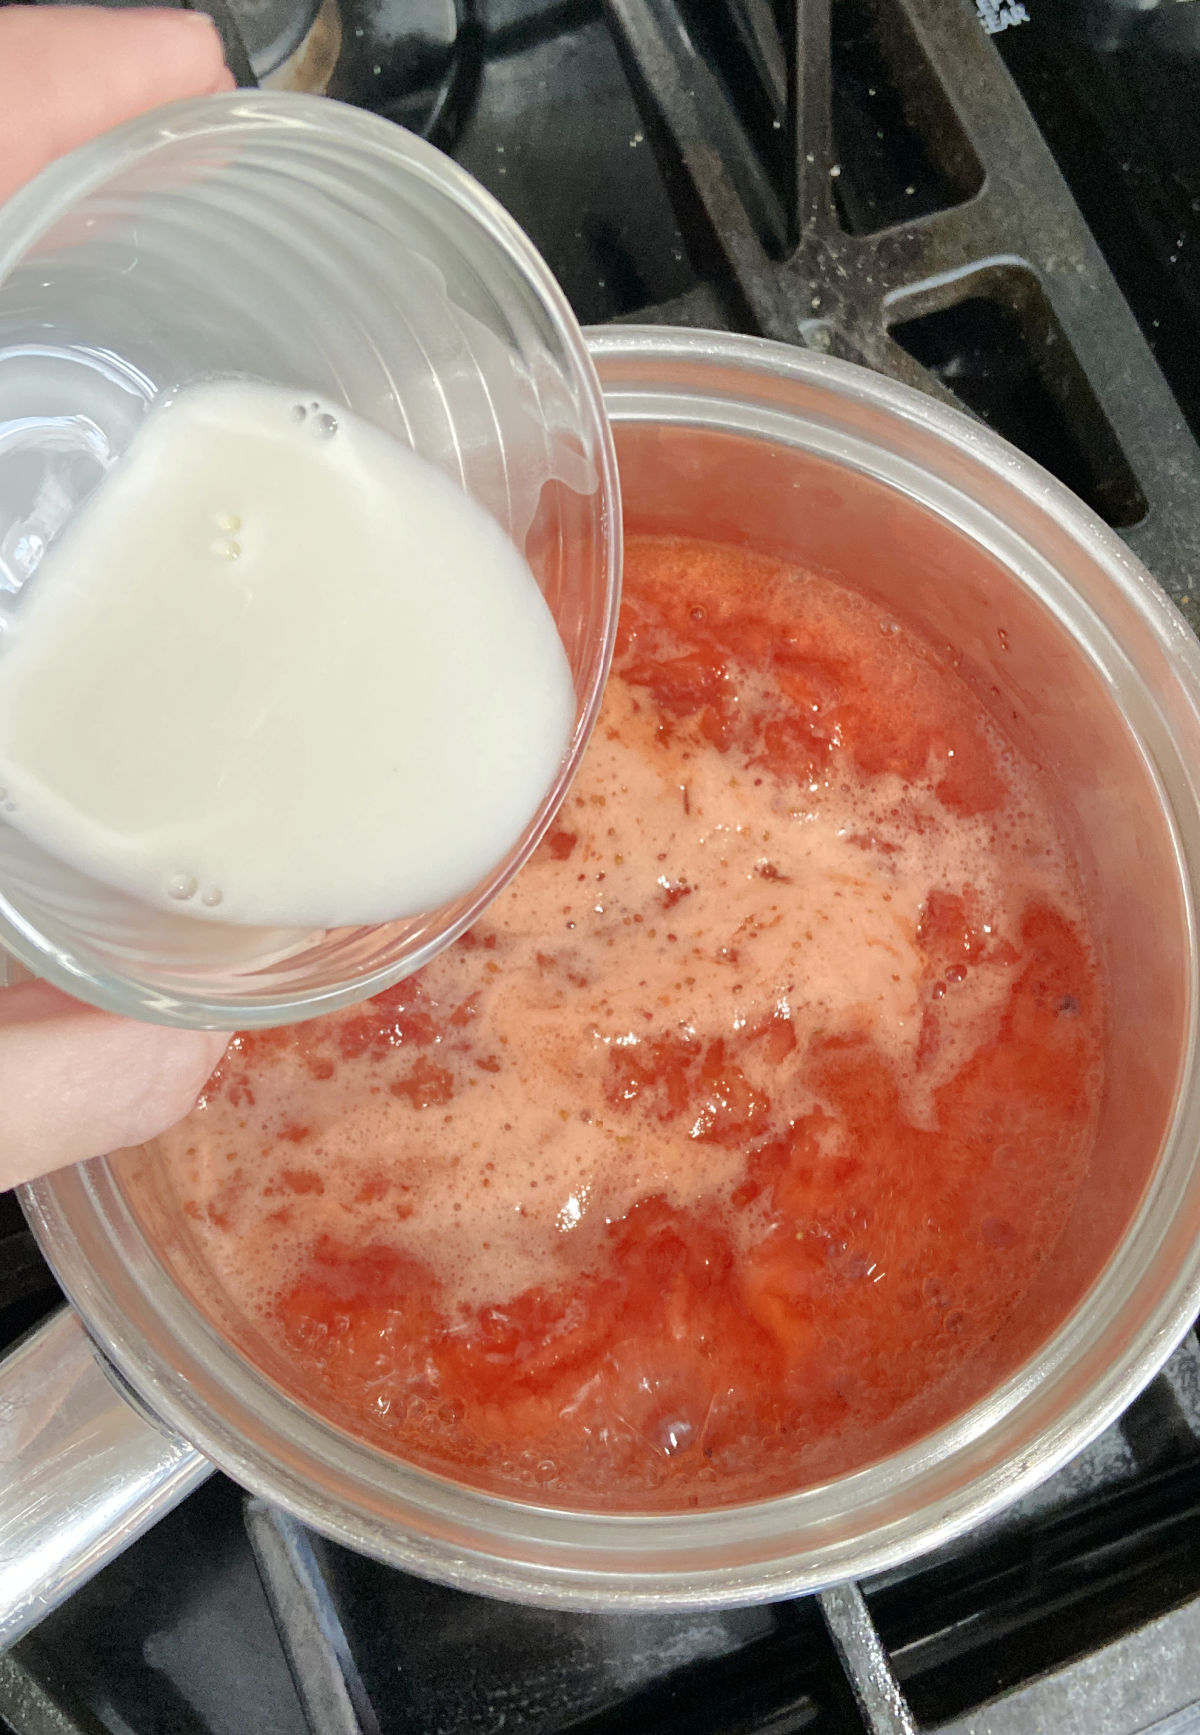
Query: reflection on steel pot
point(750, 443)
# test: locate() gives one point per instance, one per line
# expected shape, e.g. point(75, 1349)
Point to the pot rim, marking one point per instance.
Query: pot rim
point(1000, 1448)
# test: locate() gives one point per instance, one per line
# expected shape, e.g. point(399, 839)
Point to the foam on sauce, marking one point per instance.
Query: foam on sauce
point(673, 982)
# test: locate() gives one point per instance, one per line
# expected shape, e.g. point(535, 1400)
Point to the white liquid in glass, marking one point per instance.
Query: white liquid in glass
point(279, 670)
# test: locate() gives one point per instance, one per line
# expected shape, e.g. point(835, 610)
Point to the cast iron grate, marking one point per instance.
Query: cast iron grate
point(851, 263)
point(27, 1289)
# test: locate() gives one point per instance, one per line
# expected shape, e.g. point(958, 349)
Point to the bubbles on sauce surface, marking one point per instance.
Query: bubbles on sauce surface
point(666, 1185)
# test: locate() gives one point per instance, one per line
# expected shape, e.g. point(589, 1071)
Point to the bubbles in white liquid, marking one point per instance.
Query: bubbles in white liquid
point(227, 549)
point(211, 896)
point(182, 887)
point(228, 521)
point(324, 425)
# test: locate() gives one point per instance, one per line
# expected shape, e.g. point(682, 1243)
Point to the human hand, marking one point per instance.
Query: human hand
point(68, 73)
point(75, 1082)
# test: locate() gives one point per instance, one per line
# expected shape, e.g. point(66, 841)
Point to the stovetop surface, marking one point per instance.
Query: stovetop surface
point(1078, 1612)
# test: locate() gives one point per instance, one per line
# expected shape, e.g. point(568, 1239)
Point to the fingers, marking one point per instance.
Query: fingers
point(77, 1083)
point(68, 73)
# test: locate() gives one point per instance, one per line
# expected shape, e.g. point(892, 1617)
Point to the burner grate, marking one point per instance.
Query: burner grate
point(993, 230)
point(27, 1288)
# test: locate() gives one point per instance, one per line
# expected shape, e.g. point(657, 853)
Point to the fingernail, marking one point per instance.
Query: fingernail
point(176, 12)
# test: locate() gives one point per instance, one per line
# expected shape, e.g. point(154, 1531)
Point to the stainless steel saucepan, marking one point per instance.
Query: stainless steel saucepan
point(1086, 662)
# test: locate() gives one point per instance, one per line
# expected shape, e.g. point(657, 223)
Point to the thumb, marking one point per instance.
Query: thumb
point(77, 1083)
point(70, 72)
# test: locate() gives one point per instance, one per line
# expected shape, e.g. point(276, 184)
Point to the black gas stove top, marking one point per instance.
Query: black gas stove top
point(881, 179)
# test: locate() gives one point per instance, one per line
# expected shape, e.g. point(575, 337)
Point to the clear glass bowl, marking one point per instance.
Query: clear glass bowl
point(293, 240)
